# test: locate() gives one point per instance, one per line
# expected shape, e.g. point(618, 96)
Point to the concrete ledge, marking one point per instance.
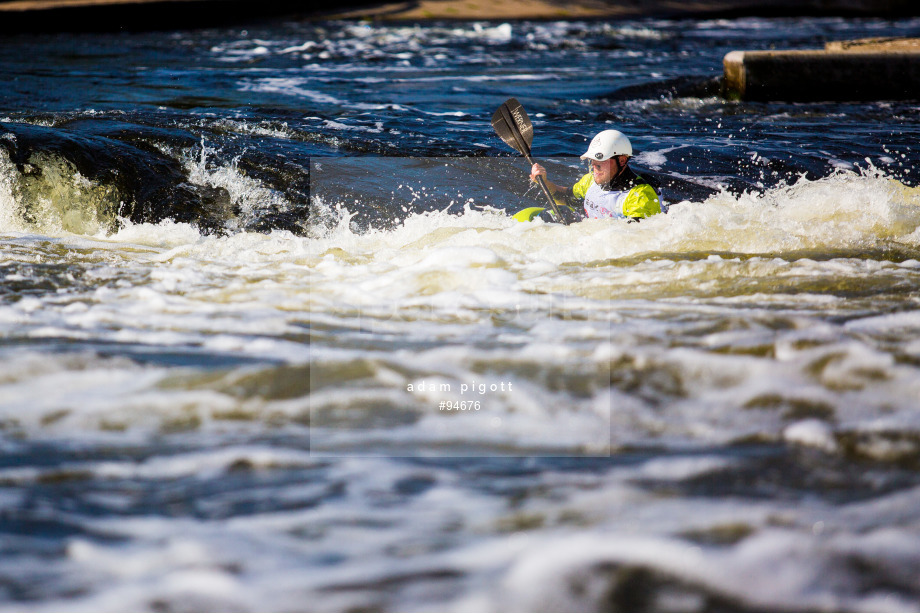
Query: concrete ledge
point(858, 74)
point(875, 44)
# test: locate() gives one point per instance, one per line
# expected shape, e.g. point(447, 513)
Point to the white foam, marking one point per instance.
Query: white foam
point(291, 86)
point(449, 278)
point(812, 433)
point(9, 218)
point(653, 159)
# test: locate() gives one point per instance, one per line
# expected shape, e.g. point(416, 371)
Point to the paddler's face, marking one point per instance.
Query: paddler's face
point(605, 170)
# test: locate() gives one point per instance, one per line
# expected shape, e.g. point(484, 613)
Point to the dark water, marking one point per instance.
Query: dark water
point(269, 340)
point(269, 99)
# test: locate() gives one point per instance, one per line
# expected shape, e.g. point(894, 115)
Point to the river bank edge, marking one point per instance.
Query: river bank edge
point(22, 16)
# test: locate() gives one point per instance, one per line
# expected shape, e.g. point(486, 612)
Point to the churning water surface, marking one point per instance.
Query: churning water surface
point(269, 339)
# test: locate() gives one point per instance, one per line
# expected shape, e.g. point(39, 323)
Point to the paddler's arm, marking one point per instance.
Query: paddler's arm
point(567, 198)
point(554, 189)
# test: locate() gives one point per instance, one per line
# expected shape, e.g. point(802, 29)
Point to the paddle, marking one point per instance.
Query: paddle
point(513, 126)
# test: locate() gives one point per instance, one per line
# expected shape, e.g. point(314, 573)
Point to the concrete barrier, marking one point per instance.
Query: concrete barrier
point(844, 71)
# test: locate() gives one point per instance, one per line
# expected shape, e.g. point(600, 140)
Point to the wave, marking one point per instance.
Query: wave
point(844, 213)
point(57, 180)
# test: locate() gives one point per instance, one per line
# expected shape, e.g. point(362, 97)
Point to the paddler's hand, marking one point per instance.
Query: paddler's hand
point(537, 170)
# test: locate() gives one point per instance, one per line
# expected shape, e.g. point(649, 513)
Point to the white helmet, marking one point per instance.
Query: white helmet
point(608, 144)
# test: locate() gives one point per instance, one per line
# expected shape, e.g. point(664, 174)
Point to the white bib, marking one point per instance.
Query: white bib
point(604, 203)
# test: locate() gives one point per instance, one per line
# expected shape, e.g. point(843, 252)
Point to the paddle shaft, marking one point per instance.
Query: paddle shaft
point(524, 148)
point(549, 196)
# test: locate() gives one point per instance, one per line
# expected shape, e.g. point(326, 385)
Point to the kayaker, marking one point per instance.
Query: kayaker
point(610, 189)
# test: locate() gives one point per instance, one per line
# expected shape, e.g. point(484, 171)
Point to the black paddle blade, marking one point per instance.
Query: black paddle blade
point(513, 126)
